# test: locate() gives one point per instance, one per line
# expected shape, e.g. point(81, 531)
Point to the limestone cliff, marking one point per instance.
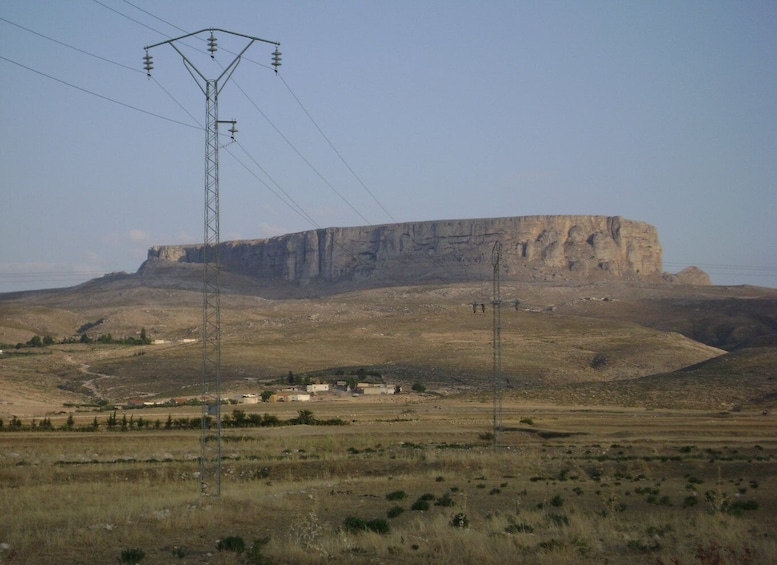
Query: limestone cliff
point(533, 248)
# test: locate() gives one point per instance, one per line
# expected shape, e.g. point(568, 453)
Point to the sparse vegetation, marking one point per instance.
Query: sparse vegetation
point(153, 491)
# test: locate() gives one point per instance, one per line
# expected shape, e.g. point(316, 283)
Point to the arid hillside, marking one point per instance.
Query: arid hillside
point(618, 339)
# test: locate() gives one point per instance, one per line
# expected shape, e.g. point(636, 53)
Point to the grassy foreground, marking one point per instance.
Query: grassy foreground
point(409, 480)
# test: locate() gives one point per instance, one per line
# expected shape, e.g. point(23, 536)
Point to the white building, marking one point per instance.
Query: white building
point(374, 389)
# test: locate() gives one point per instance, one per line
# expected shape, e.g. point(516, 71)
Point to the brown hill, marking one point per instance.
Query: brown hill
point(561, 340)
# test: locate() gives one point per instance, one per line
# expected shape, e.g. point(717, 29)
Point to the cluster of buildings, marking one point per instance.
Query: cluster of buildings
point(305, 393)
point(301, 393)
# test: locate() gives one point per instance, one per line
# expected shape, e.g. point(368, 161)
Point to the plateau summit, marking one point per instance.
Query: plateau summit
point(534, 248)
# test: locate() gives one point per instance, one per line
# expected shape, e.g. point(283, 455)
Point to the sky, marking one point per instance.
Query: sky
point(385, 111)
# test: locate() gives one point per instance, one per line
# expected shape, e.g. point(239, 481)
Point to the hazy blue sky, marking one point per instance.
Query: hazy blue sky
point(662, 111)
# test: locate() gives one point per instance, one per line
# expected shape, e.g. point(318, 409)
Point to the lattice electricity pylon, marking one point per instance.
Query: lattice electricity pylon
point(496, 257)
point(498, 380)
point(210, 399)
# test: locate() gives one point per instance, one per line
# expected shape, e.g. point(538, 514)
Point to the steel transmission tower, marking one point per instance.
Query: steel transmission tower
point(496, 258)
point(210, 400)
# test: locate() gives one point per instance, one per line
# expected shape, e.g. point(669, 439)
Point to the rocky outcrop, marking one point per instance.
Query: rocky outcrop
point(533, 248)
point(689, 275)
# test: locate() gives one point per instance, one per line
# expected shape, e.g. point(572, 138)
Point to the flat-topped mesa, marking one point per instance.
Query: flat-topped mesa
point(533, 248)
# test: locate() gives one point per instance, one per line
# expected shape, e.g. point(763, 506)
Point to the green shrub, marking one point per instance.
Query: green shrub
point(557, 501)
point(460, 520)
point(738, 507)
point(395, 511)
point(378, 525)
point(519, 529)
point(231, 543)
point(133, 555)
point(445, 500)
point(420, 504)
point(254, 554)
point(396, 495)
point(354, 524)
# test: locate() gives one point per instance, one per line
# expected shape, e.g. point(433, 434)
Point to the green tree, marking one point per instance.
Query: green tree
point(36, 341)
point(266, 394)
point(304, 417)
point(70, 422)
point(418, 387)
point(240, 418)
point(48, 340)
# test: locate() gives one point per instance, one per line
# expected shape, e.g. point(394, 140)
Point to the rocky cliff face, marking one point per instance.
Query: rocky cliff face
point(533, 248)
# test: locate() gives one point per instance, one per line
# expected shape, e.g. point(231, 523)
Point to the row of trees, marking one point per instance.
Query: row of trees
point(47, 340)
point(114, 422)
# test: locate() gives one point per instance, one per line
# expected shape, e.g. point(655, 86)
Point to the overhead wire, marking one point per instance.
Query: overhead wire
point(289, 201)
point(300, 155)
point(115, 11)
point(331, 145)
point(63, 44)
point(92, 93)
point(723, 270)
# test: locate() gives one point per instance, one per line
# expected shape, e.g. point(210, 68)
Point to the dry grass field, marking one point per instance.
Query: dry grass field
point(565, 485)
point(638, 423)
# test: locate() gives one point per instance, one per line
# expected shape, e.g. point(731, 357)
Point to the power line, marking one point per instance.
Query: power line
point(301, 156)
point(22, 276)
point(150, 14)
point(722, 266)
point(62, 43)
point(90, 54)
point(103, 97)
point(289, 201)
point(115, 11)
point(326, 138)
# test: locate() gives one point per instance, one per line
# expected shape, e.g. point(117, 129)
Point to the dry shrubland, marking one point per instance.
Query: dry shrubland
point(565, 485)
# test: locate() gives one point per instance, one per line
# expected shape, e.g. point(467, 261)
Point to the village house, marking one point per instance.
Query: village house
point(249, 399)
point(290, 396)
point(371, 389)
